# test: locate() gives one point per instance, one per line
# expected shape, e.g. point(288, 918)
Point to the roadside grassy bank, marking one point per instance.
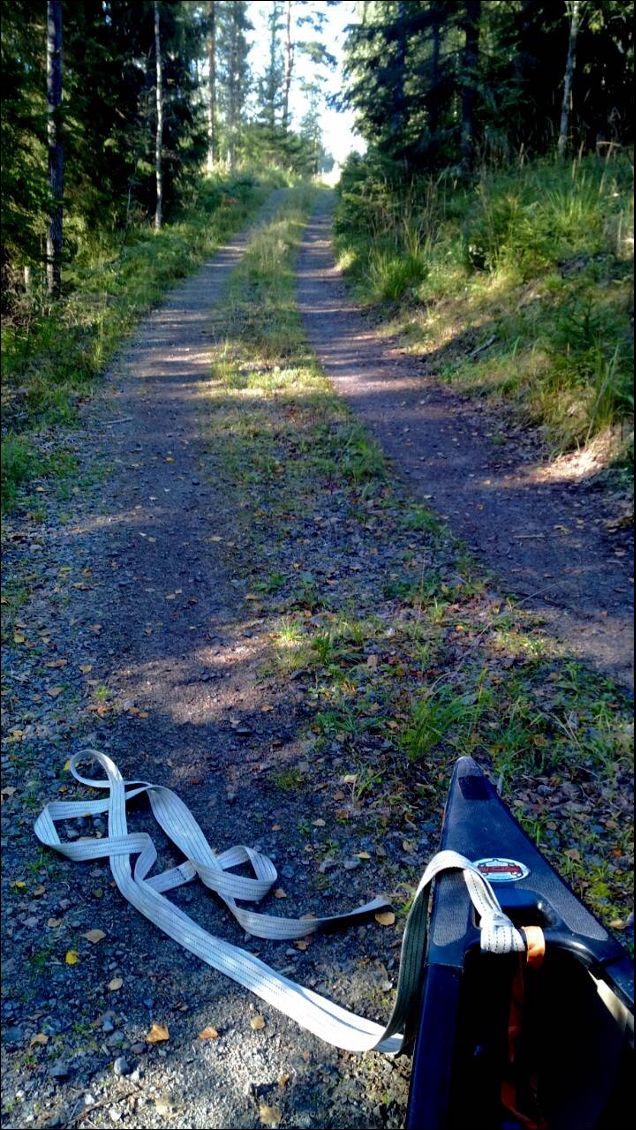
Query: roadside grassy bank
point(518, 288)
point(52, 352)
point(402, 651)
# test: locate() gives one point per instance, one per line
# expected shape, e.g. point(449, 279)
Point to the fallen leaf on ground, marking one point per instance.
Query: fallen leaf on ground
point(279, 893)
point(39, 891)
point(94, 936)
point(257, 1022)
point(56, 663)
point(157, 1034)
point(115, 984)
point(53, 922)
point(385, 917)
point(72, 957)
point(269, 1115)
point(40, 1038)
point(54, 691)
point(209, 1033)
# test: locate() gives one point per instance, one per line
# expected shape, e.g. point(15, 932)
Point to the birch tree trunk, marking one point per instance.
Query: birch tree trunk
point(211, 51)
point(159, 131)
point(575, 11)
point(56, 154)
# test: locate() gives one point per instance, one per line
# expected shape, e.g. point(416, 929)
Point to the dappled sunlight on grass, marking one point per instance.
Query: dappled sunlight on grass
point(527, 290)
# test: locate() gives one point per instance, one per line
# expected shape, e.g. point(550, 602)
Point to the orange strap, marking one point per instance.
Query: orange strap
point(523, 1108)
point(535, 942)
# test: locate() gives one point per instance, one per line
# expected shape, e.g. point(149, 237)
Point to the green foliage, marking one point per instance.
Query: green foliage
point(20, 464)
point(362, 458)
point(448, 86)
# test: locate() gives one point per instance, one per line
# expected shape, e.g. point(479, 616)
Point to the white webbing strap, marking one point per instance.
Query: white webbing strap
point(317, 1014)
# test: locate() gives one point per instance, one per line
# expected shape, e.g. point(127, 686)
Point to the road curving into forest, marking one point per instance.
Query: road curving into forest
point(548, 541)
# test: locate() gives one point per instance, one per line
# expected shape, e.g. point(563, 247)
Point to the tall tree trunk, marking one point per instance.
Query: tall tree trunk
point(289, 64)
point(399, 92)
point(433, 108)
point(232, 92)
point(575, 11)
point(56, 154)
point(469, 79)
point(272, 73)
point(159, 131)
point(211, 50)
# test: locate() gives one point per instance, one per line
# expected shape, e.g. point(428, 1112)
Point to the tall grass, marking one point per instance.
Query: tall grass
point(537, 260)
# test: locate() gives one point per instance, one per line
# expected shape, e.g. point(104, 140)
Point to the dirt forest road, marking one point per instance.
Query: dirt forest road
point(135, 637)
point(128, 588)
point(545, 540)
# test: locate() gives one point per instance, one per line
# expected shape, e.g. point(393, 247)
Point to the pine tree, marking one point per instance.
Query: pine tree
point(56, 153)
point(23, 169)
point(469, 79)
point(233, 71)
point(270, 87)
point(210, 43)
point(159, 123)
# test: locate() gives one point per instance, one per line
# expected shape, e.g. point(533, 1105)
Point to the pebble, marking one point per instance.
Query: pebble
point(326, 865)
point(121, 1066)
point(60, 1070)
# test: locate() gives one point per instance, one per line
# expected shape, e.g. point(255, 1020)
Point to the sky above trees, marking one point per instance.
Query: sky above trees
point(337, 124)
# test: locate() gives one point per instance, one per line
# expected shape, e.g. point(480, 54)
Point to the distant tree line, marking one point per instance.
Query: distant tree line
point(112, 108)
point(440, 83)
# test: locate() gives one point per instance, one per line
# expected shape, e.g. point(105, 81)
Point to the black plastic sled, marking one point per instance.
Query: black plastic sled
point(504, 1043)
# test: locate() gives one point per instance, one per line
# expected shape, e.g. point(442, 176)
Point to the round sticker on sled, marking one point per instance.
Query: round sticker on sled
point(498, 870)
